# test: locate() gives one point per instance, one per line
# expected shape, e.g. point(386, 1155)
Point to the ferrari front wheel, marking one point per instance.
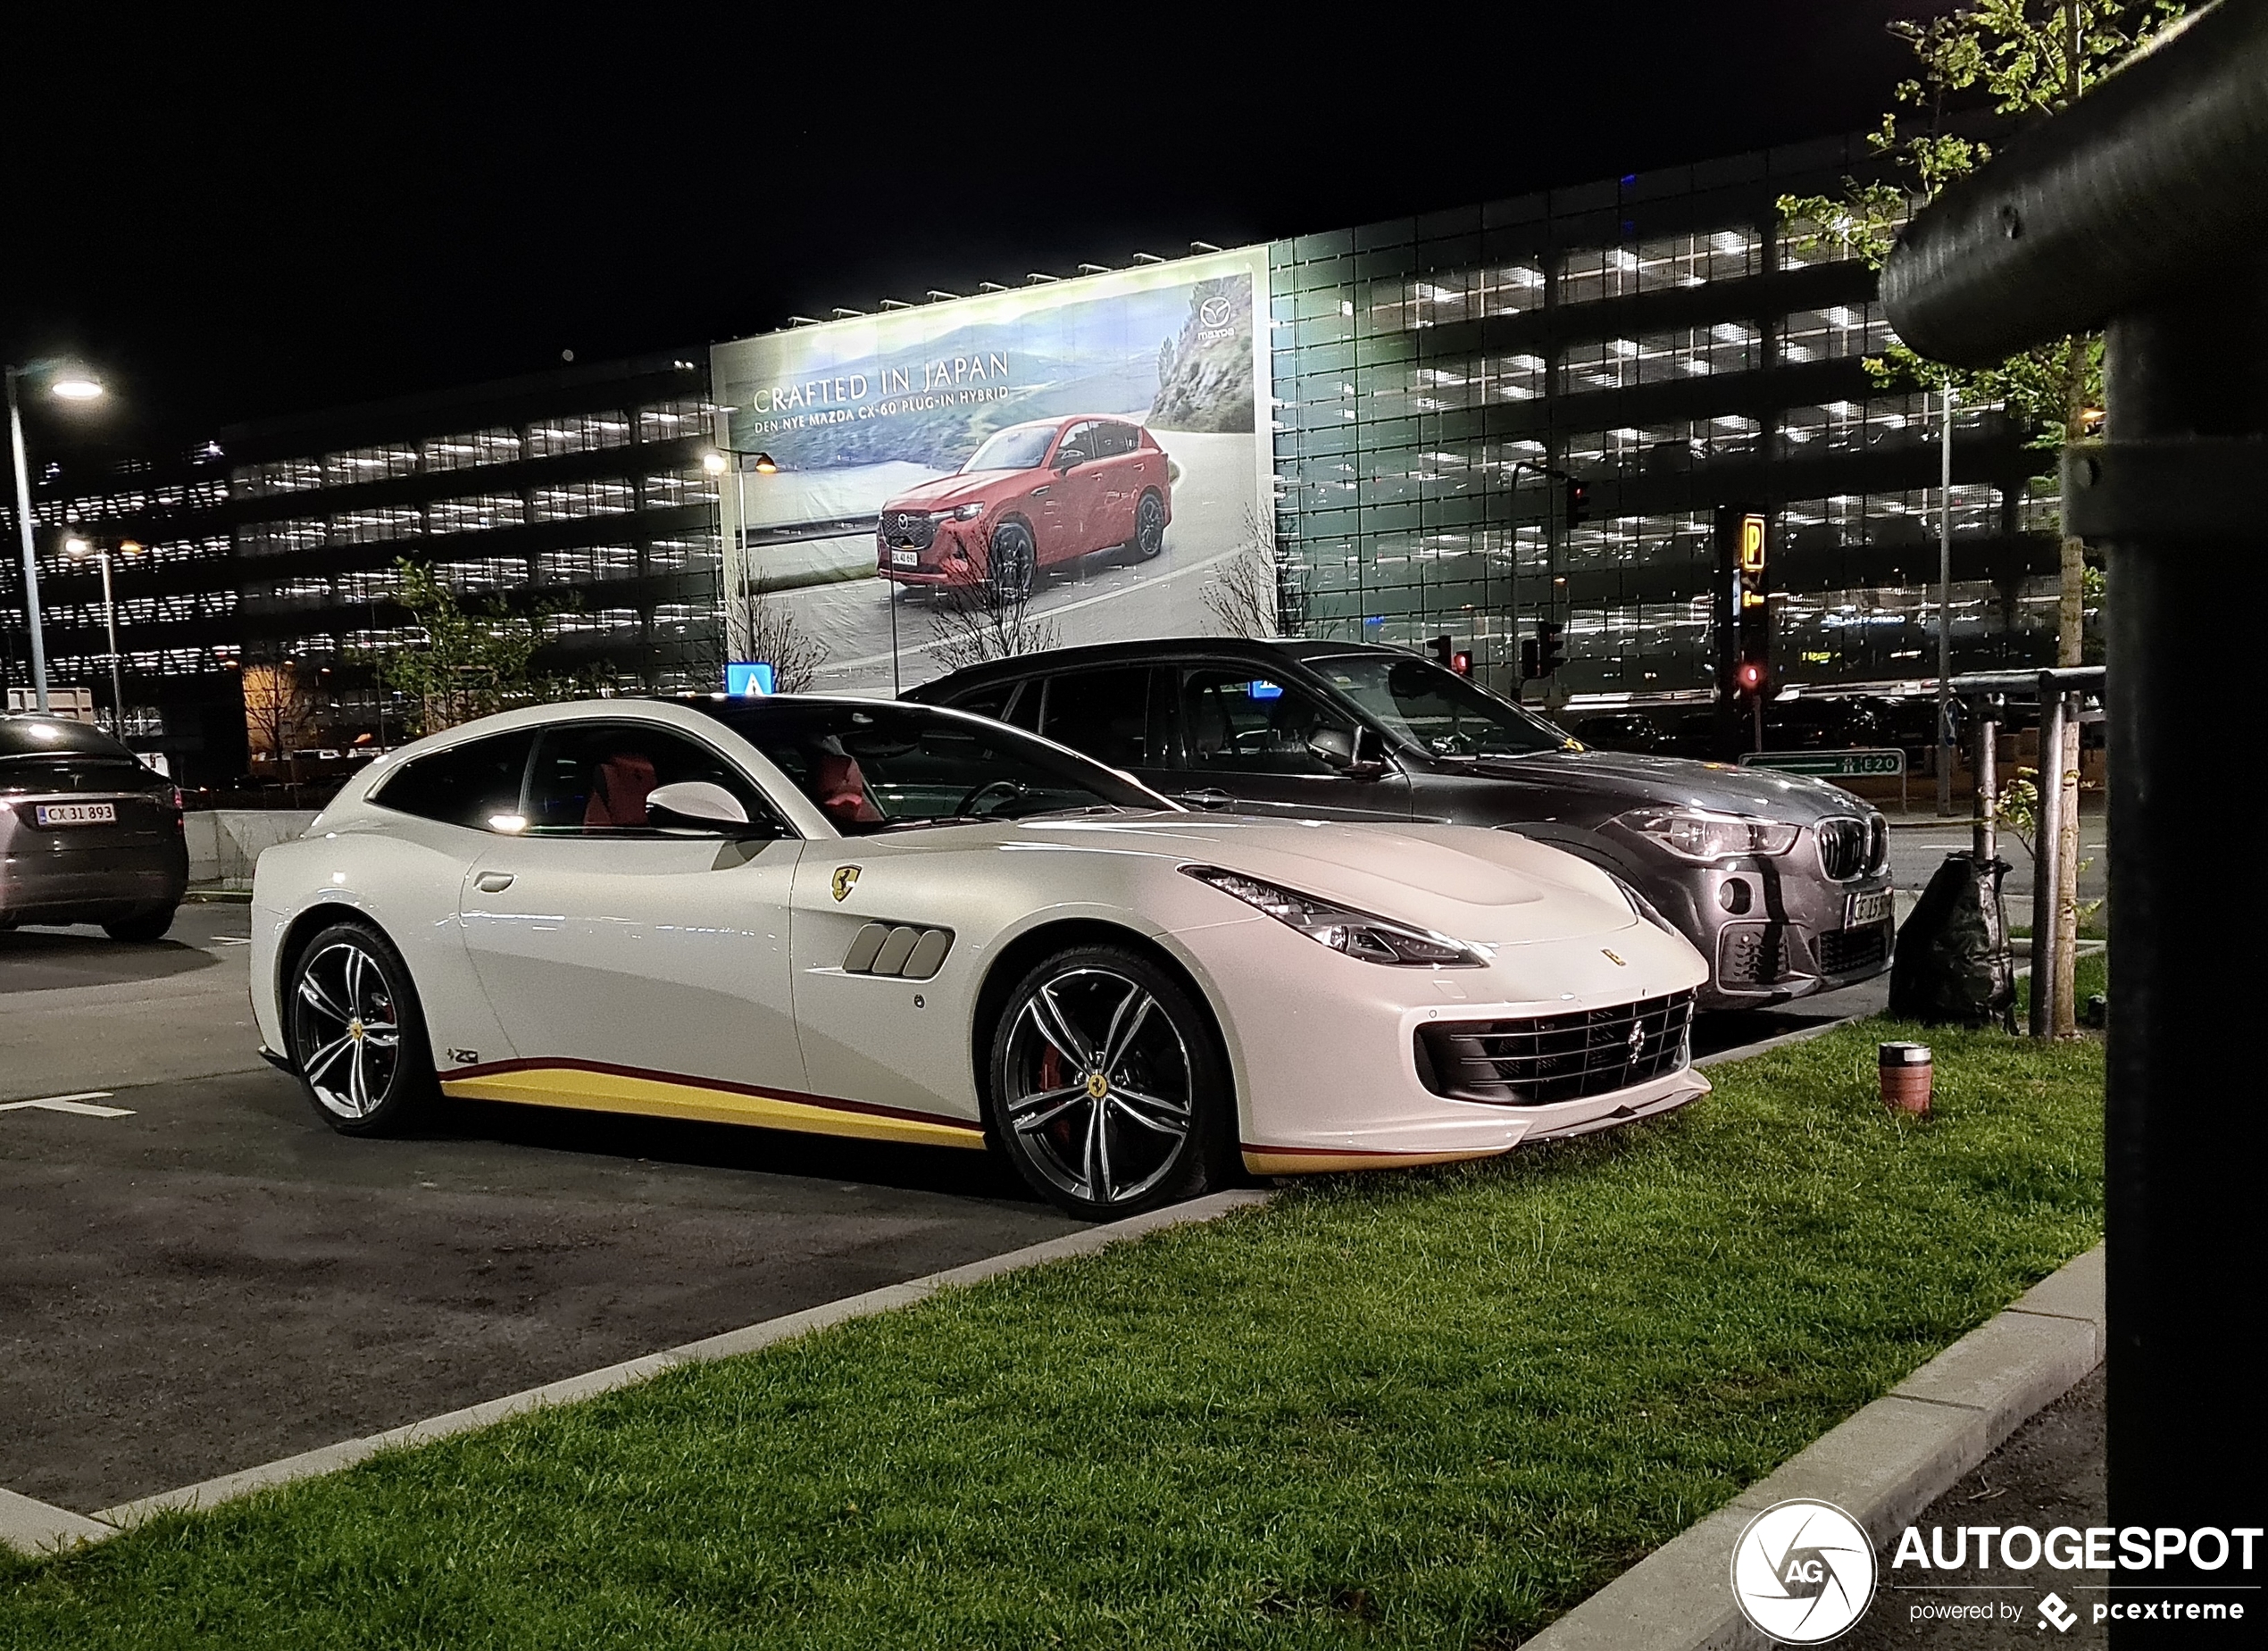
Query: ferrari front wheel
point(1109, 1091)
point(356, 1033)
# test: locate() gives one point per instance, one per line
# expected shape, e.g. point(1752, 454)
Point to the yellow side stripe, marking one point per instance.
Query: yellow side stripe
point(655, 1097)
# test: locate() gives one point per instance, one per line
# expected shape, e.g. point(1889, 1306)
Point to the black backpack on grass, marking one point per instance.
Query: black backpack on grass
point(1953, 966)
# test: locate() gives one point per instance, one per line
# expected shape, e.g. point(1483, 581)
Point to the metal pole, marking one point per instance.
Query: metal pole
point(1988, 778)
point(1944, 763)
point(2048, 824)
point(30, 558)
point(110, 626)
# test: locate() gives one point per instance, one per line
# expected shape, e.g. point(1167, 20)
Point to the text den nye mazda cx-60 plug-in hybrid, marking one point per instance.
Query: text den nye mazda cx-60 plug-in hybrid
point(1034, 495)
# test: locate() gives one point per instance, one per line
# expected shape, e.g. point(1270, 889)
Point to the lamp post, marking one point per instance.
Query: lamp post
point(77, 550)
point(68, 383)
point(716, 461)
point(1942, 758)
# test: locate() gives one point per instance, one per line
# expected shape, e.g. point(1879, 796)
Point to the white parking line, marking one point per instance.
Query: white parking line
point(76, 1105)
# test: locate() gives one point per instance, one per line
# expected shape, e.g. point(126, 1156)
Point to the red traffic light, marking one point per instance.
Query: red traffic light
point(1750, 675)
point(1462, 663)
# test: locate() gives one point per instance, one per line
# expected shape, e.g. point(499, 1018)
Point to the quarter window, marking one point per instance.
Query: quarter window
point(473, 784)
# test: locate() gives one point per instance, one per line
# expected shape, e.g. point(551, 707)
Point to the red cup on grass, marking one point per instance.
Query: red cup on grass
point(1906, 1077)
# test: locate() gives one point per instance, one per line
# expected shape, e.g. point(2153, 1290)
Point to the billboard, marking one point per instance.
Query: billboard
point(1063, 464)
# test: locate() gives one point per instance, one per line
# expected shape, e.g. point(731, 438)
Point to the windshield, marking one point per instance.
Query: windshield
point(1437, 710)
point(881, 766)
point(1020, 448)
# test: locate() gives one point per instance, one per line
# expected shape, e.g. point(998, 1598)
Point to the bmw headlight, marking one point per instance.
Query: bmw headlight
point(1699, 834)
point(1358, 934)
point(959, 513)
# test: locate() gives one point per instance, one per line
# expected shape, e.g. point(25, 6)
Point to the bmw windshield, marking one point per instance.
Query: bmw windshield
point(876, 766)
point(1020, 448)
point(1436, 711)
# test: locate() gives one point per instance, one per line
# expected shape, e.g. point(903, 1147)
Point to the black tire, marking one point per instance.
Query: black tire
point(142, 927)
point(356, 1033)
point(1162, 1108)
point(1013, 560)
point(1149, 527)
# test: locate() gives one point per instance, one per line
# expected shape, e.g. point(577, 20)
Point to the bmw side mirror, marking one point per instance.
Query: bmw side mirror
point(1353, 752)
point(695, 805)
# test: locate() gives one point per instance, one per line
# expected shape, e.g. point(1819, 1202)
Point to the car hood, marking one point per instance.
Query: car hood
point(945, 491)
point(1610, 782)
point(1490, 887)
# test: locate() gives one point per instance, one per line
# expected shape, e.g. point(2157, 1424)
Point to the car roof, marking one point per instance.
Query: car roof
point(36, 733)
point(1259, 650)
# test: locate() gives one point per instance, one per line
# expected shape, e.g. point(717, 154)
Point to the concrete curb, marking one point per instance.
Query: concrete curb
point(1882, 1467)
point(35, 1527)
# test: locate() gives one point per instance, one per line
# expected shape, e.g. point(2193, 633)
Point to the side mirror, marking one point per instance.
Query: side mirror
point(1334, 746)
point(1070, 458)
point(694, 804)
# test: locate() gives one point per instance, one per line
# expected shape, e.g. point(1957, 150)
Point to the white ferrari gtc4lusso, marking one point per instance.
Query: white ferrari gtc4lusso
point(906, 924)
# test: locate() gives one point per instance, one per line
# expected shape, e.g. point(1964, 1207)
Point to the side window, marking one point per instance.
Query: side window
point(1111, 440)
point(592, 778)
point(989, 701)
point(1237, 722)
point(1023, 705)
point(1104, 714)
point(1078, 436)
point(466, 785)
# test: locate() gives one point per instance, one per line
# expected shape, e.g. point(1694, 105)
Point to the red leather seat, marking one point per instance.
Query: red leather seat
point(619, 787)
point(841, 790)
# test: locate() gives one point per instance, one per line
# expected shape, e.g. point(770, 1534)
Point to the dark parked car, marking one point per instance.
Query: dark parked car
point(1780, 882)
point(87, 834)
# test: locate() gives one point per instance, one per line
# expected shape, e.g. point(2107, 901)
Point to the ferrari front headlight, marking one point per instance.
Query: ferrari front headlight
point(1358, 934)
point(1699, 834)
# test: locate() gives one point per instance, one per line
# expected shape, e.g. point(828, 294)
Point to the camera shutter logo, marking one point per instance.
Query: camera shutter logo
point(1803, 1571)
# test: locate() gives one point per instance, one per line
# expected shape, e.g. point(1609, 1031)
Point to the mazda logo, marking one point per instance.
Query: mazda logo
point(1214, 311)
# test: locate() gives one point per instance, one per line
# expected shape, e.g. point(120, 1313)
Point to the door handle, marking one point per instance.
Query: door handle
point(493, 882)
point(1211, 797)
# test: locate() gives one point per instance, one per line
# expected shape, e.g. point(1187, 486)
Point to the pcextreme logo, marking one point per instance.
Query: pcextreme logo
point(1803, 1571)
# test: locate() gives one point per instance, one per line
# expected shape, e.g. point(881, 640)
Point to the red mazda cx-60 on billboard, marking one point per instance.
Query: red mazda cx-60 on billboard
point(1034, 495)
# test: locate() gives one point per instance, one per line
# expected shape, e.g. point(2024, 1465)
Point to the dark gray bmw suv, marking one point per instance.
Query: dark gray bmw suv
point(1782, 882)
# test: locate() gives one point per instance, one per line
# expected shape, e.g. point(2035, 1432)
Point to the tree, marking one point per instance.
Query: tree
point(762, 628)
point(469, 662)
point(978, 620)
point(279, 712)
point(2022, 59)
point(1254, 593)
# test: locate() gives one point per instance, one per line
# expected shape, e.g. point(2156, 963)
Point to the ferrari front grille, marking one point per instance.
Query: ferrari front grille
point(1550, 1058)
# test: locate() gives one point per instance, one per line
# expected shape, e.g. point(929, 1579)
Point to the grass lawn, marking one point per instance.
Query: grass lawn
point(1434, 1408)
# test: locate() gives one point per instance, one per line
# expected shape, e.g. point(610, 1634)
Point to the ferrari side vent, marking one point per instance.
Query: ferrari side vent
point(901, 952)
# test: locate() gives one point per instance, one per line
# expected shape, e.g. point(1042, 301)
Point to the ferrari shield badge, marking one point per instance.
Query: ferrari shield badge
point(846, 879)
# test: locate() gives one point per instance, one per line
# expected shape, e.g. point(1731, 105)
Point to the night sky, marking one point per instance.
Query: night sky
point(234, 218)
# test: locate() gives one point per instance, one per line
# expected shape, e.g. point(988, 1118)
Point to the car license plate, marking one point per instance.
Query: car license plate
point(1869, 909)
point(76, 814)
point(905, 558)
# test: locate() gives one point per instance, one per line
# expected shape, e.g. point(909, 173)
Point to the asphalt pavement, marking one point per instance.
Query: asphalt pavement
point(214, 1278)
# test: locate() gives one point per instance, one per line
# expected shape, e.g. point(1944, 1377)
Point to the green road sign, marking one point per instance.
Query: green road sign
point(1830, 764)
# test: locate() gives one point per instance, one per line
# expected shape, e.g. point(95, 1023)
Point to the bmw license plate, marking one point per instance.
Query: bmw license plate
point(76, 814)
point(1869, 909)
point(905, 558)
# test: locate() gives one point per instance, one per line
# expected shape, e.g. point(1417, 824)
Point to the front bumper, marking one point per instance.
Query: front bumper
point(954, 555)
point(1786, 933)
point(1324, 1046)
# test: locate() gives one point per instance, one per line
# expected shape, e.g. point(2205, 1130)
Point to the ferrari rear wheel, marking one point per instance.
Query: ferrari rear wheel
point(357, 1034)
point(1108, 1089)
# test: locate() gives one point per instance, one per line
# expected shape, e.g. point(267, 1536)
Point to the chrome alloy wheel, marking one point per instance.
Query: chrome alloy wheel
point(346, 1028)
point(1149, 525)
point(1099, 1091)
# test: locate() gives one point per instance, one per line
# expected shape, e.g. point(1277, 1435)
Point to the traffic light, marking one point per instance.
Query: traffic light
point(1540, 654)
point(1576, 498)
point(1744, 608)
point(1439, 647)
point(1461, 662)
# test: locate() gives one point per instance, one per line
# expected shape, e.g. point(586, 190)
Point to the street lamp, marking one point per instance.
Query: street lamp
point(67, 382)
point(715, 460)
point(79, 550)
